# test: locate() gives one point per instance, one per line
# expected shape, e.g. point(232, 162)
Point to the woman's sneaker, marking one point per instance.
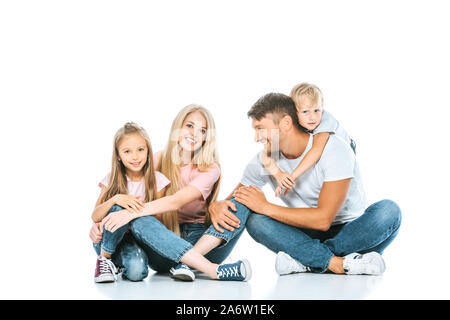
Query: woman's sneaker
point(370, 263)
point(285, 264)
point(238, 271)
point(105, 270)
point(182, 272)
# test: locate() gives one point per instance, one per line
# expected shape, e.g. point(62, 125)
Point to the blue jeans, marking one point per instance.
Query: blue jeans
point(374, 230)
point(124, 250)
point(165, 249)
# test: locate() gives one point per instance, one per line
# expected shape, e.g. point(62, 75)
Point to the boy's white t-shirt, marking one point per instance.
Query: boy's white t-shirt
point(137, 188)
point(331, 125)
point(337, 162)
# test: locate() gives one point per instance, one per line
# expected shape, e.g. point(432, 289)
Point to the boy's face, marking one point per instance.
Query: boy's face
point(309, 113)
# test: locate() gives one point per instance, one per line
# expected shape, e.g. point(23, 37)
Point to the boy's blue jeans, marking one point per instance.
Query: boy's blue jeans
point(165, 249)
point(374, 230)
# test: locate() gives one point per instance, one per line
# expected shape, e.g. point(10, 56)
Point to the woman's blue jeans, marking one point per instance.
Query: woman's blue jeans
point(374, 230)
point(165, 249)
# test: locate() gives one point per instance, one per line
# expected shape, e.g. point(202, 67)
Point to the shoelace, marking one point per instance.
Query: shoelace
point(228, 272)
point(184, 266)
point(107, 266)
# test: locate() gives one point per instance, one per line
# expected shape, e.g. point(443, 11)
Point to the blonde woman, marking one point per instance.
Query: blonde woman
point(175, 231)
point(131, 181)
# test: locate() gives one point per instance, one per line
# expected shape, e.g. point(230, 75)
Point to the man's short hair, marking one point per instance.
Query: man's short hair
point(278, 104)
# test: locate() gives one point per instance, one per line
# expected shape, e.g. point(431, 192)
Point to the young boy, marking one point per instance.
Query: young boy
point(309, 102)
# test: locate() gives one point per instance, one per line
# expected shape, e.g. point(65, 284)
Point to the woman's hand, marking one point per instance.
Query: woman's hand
point(116, 219)
point(253, 198)
point(129, 203)
point(96, 232)
point(221, 216)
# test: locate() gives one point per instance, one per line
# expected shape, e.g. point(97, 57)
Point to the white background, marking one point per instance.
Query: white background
point(73, 72)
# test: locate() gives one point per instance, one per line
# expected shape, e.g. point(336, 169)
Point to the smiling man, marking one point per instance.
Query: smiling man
point(326, 223)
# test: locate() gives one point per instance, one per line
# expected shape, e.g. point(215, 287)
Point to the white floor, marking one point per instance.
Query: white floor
point(43, 276)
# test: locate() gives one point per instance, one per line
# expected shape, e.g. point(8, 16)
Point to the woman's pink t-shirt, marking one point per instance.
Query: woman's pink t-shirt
point(137, 188)
point(195, 211)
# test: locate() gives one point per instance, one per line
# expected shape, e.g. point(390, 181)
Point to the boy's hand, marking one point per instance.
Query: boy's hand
point(285, 181)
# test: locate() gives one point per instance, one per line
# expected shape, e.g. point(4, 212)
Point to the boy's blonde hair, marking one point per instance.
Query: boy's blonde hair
point(118, 183)
point(305, 89)
point(204, 158)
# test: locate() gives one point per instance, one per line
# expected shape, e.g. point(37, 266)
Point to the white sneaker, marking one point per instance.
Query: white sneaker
point(285, 264)
point(182, 272)
point(369, 263)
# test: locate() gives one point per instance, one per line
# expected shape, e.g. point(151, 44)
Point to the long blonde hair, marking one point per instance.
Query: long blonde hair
point(118, 180)
point(204, 158)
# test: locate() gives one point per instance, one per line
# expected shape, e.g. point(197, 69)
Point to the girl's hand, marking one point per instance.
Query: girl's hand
point(129, 203)
point(116, 219)
point(96, 233)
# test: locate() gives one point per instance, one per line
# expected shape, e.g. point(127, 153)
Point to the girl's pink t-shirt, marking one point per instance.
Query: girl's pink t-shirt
point(137, 188)
point(195, 211)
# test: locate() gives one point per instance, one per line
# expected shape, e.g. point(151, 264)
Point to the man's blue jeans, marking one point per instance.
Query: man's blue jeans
point(165, 249)
point(124, 250)
point(374, 230)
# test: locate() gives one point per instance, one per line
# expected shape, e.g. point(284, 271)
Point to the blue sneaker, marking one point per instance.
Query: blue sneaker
point(238, 271)
point(182, 272)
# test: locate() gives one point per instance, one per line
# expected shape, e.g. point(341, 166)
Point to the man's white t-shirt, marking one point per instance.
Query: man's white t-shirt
point(336, 163)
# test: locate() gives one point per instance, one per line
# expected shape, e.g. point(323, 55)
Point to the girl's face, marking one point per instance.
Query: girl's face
point(133, 152)
point(193, 132)
point(309, 114)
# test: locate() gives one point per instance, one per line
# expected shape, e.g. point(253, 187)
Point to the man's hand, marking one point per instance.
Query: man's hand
point(253, 198)
point(96, 233)
point(221, 216)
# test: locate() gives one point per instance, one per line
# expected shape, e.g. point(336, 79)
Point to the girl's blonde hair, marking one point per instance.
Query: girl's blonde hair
point(309, 90)
point(204, 158)
point(118, 180)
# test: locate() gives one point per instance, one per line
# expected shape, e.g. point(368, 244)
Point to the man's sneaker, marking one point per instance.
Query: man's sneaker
point(238, 271)
point(182, 272)
point(370, 263)
point(285, 264)
point(105, 270)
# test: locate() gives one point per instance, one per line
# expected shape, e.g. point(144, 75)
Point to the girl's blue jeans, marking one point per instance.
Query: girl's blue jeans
point(374, 230)
point(124, 250)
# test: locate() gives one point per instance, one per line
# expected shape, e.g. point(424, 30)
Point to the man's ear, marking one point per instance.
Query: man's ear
point(285, 123)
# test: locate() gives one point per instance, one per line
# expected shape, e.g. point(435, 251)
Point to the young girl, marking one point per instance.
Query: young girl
point(309, 102)
point(132, 181)
point(191, 163)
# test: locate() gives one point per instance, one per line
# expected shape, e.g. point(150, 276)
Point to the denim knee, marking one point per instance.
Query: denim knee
point(135, 270)
point(390, 213)
point(115, 207)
